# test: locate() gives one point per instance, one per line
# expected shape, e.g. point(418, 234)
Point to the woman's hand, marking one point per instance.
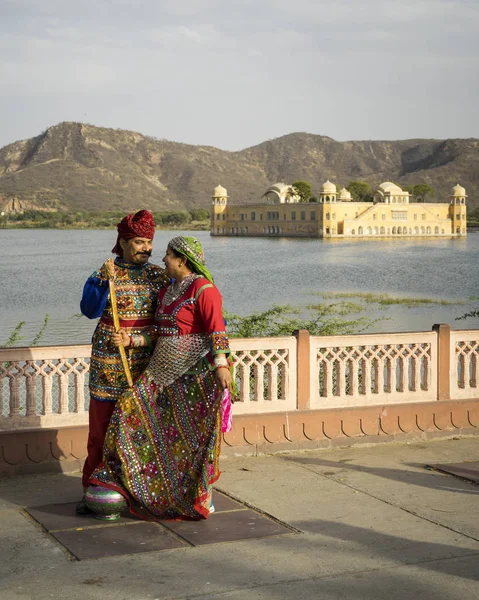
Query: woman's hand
point(121, 338)
point(223, 378)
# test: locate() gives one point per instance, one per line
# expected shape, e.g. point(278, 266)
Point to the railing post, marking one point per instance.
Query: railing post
point(303, 371)
point(443, 361)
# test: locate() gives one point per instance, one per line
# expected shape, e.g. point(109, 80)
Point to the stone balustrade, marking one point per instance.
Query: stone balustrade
point(294, 391)
point(48, 386)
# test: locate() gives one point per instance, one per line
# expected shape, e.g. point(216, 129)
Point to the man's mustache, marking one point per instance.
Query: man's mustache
point(145, 253)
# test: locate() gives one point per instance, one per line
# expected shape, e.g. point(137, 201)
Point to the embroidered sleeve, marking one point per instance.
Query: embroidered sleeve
point(219, 342)
point(210, 307)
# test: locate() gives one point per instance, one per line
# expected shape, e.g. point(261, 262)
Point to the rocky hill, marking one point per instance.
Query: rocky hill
point(78, 166)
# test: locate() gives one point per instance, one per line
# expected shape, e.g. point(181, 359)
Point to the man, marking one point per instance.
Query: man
point(137, 283)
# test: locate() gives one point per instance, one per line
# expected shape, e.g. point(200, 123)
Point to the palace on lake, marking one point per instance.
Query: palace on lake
point(336, 215)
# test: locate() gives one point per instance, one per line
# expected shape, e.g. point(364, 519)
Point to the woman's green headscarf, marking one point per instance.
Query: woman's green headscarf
point(191, 248)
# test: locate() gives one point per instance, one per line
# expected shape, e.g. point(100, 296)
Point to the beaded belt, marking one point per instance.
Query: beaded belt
point(129, 322)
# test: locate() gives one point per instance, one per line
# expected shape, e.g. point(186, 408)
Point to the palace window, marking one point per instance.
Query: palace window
point(224, 217)
point(415, 217)
point(423, 216)
point(218, 217)
point(383, 217)
point(327, 215)
point(242, 216)
point(293, 216)
point(313, 215)
point(261, 216)
point(253, 216)
point(399, 215)
point(374, 217)
point(334, 215)
point(303, 215)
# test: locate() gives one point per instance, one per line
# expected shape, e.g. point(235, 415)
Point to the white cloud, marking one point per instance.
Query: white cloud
point(231, 73)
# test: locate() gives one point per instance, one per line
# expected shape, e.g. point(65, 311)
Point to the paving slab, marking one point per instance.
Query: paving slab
point(56, 517)
point(228, 527)
point(100, 542)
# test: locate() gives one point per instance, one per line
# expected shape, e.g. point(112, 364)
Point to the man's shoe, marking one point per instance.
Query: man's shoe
point(82, 508)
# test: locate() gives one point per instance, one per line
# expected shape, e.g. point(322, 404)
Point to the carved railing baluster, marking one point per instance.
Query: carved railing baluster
point(15, 390)
point(30, 372)
point(272, 382)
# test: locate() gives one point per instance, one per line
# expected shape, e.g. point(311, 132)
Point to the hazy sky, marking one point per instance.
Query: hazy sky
point(234, 73)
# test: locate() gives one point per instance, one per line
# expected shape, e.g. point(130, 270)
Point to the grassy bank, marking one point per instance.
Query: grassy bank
point(195, 219)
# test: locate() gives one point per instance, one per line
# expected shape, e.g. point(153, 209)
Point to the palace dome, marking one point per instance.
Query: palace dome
point(220, 192)
point(281, 193)
point(328, 188)
point(345, 195)
point(458, 190)
point(392, 188)
point(277, 187)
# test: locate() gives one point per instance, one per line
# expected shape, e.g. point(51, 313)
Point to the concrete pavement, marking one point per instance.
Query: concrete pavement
point(376, 525)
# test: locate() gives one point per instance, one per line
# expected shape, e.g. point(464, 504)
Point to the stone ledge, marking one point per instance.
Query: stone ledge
point(64, 449)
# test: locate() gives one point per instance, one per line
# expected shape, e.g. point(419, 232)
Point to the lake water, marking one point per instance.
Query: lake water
point(43, 271)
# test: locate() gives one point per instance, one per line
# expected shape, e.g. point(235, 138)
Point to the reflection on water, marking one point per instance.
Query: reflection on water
point(44, 271)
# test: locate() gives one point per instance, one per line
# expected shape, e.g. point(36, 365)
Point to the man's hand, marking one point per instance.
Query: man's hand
point(108, 269)
point(121, 338)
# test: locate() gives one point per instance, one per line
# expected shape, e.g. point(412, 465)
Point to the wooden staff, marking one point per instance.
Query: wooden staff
point(116, 324)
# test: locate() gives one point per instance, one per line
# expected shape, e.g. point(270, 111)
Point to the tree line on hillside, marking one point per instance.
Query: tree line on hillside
point(361, 191)
point(102, 219)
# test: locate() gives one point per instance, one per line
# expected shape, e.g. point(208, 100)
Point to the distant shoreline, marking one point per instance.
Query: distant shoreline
point(188, 226)
point(166, 227)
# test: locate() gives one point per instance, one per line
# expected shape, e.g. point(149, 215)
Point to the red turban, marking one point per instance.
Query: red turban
point(140, 224)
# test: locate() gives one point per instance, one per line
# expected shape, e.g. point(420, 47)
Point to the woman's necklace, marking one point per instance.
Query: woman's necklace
point(176, 290)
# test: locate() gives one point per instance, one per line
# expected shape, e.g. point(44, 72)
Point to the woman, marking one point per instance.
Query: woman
point(162, 446)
